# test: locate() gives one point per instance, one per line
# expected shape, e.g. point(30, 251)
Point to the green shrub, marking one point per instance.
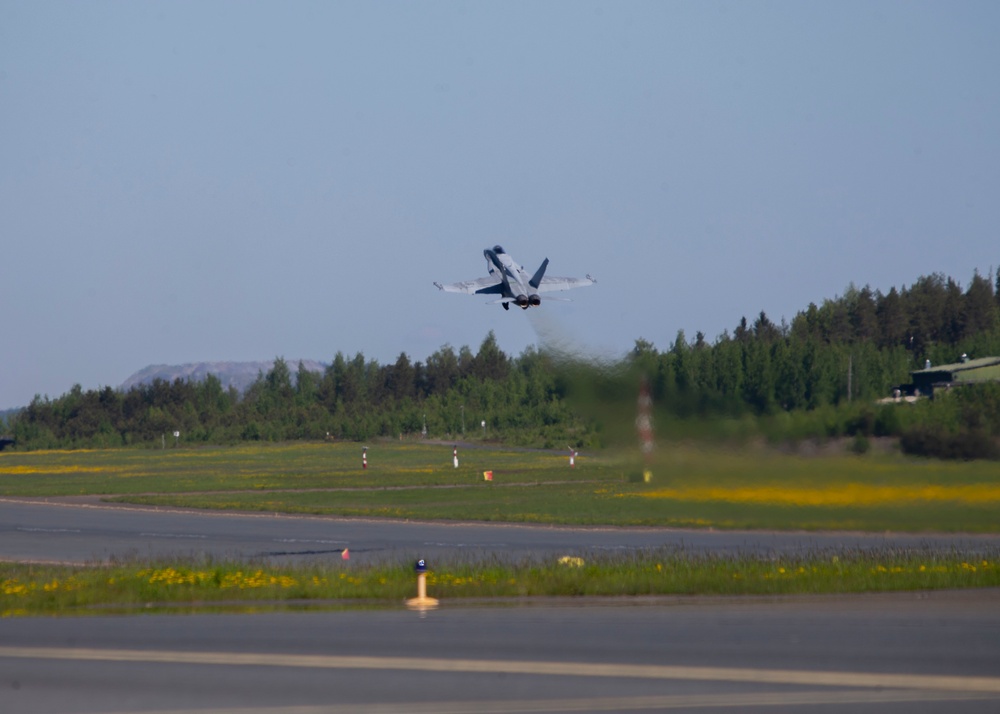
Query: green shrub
point(861, 445)
point(965, 444)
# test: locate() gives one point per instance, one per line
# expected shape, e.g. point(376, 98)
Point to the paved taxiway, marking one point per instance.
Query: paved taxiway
point(924, 652)
point(69, 531)
point(871, 653)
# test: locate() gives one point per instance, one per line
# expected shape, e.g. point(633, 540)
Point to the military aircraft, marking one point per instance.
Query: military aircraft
point(510, 281)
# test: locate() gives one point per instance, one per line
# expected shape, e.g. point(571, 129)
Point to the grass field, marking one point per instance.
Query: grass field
point(691, 486)
point(184, 586)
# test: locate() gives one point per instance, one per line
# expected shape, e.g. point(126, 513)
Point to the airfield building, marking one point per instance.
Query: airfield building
point(969, 371)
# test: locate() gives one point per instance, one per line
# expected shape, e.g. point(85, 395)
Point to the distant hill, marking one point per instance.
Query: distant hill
point(236, 374)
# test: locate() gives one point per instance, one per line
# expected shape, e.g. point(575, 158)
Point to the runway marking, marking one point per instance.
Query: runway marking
point(48, 530)
point(436, 544)
point(172, 535)
point(309, 540)
point(918, 682)
point(605, 704)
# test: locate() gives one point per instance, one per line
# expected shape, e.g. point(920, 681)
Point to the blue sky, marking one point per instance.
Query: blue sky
point(188, 181)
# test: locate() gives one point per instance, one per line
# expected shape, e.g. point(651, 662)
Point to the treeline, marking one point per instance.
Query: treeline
point(817, 376)
point(832, 362)
point(857, 346)
point(448, 395)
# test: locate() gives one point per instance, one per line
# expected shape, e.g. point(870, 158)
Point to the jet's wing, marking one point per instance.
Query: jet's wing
point(550, 283)
point(482, 286)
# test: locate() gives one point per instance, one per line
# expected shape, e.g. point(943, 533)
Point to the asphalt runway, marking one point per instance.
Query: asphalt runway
point(910, 652)
point(81, 531)
point(928, 652)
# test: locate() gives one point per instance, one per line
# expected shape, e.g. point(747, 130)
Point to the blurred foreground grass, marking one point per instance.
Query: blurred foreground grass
point(157, 586)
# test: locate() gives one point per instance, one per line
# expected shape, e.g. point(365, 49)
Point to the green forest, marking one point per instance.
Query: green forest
point(818, 376)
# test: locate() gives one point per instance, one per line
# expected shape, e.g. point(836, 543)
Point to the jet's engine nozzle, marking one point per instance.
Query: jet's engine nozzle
point(522, 301)
point(534, 300)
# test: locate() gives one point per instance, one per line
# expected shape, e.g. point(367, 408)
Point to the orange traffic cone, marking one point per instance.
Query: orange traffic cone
point(344, 554)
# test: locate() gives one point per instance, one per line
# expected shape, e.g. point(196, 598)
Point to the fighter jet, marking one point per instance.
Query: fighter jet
point(509, 280)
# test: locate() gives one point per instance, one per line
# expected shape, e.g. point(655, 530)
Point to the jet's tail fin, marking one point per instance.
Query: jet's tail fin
point(536, 280)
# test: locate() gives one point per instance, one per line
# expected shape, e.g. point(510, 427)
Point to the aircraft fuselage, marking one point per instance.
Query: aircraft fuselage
point(508, 280)
point(517, 285)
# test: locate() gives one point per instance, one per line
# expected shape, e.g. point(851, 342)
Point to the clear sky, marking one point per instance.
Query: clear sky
point(193, 181)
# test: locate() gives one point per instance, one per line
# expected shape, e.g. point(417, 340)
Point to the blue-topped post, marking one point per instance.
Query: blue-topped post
point(421, 601)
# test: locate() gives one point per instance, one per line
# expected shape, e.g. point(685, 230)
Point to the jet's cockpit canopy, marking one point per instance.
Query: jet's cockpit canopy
point(498, 249)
